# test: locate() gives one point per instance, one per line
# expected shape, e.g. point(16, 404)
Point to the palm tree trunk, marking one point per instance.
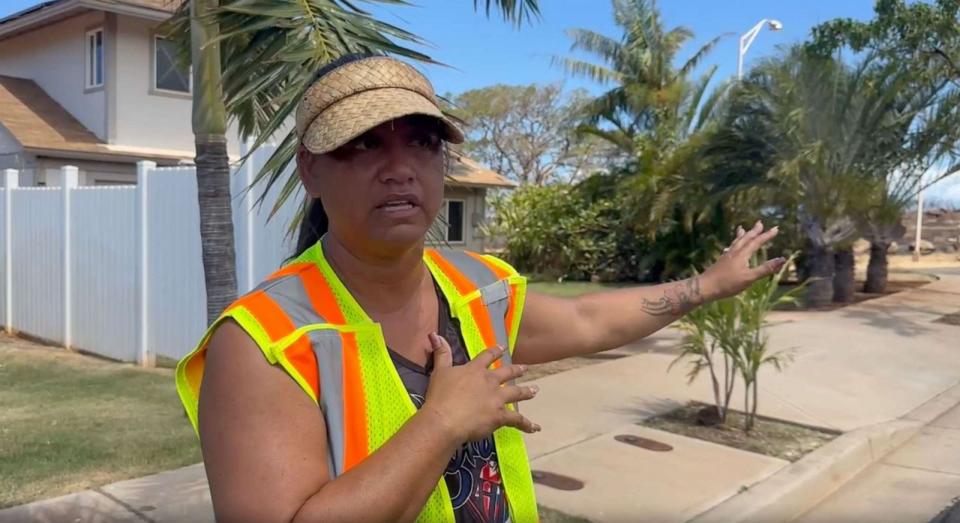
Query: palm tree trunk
point(213, 164)
point(216, 225)
point(820, 291)
point(843, 277)
point(877, 268)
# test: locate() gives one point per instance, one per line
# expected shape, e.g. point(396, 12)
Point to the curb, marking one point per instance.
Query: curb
point(797, 487)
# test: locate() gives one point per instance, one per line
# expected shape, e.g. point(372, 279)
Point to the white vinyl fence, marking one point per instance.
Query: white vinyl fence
point(117, 270)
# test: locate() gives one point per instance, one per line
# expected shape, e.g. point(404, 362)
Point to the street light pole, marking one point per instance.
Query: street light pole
point(919, 231)
point(747, 38)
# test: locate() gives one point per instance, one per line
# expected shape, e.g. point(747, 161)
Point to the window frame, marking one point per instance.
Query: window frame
point(154, 78)
point(93, 60)
point(463, 221)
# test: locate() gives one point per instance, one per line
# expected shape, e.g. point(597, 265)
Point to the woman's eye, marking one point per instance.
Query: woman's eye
point(365, 143)
point(426, 141)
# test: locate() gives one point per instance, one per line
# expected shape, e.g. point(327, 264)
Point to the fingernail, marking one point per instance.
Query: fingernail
point(534, 389)
point(536, 427)
point(775, 228)
point(523, 368)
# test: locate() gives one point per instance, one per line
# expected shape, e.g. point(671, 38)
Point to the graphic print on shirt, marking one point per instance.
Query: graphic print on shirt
point(473, 479)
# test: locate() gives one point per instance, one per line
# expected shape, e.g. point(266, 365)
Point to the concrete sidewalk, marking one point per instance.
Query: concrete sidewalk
point(911, 485)
point(853, 368)
point(858, 366)
point(174, 496)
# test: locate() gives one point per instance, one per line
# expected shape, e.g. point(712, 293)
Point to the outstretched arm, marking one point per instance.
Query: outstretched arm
point(556, 328)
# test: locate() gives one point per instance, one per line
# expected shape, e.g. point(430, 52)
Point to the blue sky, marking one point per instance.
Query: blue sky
point(481, 51)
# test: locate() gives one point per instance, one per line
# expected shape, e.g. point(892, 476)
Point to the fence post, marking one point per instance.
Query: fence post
point(11, 180)
point(69, 179)
point(145, 357)
point(248, 176)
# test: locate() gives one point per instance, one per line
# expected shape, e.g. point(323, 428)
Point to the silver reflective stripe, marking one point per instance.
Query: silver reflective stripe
point(290, 295)
point(495, 297)
point(473, 269)
point(495, 292)
point(328, 347)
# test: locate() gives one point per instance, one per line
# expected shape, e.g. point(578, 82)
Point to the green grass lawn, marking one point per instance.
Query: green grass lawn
point(71, 422)
point(571, 289)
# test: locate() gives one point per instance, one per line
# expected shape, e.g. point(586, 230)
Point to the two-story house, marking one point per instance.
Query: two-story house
point(91, 83)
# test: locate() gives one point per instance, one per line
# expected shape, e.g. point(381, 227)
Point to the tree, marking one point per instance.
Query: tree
point(815, 132)
point(253, 60)
point(733, 329)
point(652, 107)
point(528, 133)
point(922, 41)
point(655, 113)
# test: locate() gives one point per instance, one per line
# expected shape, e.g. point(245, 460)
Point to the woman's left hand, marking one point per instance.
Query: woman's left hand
point(732, 273)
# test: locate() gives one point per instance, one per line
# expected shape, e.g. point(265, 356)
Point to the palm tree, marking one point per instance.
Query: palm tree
point(654, 113)
point(816, 132)
point(652, 105)
point(926, 152)
point(253, 60)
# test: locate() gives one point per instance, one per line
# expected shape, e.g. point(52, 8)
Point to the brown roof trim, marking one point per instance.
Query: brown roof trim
point(465, 172)
point(52, 11)
point(109, 156)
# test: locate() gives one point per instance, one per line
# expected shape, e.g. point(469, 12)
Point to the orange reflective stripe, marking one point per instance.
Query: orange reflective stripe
point(321, 296)
point(511, 308)
point(478, 310)
point(194, 370)
point(300, 355)
point(462, 283)
point(481, 316)
point(277, 325)
point(502, 274)
point(355, 444)
point(271, 317)
point(293, 268)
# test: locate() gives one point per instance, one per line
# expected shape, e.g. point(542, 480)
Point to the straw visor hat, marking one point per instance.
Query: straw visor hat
point(355, 97)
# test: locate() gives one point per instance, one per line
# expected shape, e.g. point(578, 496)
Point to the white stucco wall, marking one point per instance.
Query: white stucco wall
point(91, 172)
point(8, 145)
point(53, 56)
point(144, 117)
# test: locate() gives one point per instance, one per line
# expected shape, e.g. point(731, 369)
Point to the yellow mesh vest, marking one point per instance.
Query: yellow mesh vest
point(387, 406)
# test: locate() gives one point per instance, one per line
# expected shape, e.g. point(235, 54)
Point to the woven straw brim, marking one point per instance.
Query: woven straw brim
point(349, 118)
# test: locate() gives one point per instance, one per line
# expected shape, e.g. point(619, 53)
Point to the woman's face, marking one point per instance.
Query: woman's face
point(383, 189)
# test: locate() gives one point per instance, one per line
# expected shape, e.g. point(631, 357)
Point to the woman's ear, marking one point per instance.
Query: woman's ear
point(305, 163)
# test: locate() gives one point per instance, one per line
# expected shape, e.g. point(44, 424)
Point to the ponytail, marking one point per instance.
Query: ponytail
point(313, 226)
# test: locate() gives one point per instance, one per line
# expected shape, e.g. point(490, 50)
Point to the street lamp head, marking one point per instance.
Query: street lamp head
point(775, 25)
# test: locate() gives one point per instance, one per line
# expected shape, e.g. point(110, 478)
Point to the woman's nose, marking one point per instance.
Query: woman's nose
point(398, 165)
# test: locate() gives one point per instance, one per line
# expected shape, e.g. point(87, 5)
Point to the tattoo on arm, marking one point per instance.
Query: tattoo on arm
point(679, 299)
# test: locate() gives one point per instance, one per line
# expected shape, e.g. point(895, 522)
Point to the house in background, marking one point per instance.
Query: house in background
point(90, 83)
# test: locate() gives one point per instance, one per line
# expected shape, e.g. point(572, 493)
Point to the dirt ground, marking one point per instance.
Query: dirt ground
point(770, 437)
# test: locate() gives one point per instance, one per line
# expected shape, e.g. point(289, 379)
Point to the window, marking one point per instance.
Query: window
point(167, 73)
point(454, 217)
point(94, 53)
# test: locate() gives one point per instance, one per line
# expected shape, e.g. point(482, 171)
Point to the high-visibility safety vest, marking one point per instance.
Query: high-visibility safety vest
point(304, 320)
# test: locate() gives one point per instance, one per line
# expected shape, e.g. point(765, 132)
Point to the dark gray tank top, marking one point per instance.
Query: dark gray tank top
point(473, 475)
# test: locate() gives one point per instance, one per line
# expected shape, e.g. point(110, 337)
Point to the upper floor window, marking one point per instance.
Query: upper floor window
point(167, 73)
point(94, 61)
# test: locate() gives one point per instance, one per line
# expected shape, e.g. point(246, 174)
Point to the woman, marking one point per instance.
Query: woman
point(409, 353)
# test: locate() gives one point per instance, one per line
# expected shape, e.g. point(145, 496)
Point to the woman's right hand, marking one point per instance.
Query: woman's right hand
point(470, 399)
